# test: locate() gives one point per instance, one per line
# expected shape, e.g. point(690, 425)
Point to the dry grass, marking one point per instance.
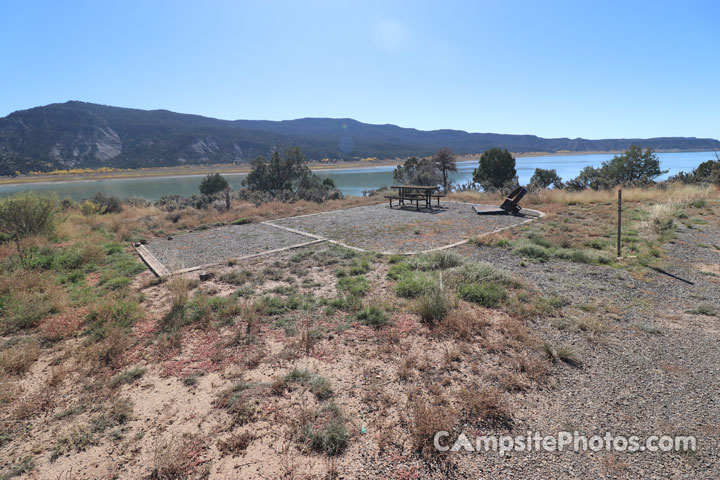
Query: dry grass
point(427, 415)
point(375, 372)
point(18, 359)
point(466, 322)
point(484, 405)
point(179, 458)
point(108, 352)
point(62, 326)
point(236, 443)
point(35, 402)
point(673, 192)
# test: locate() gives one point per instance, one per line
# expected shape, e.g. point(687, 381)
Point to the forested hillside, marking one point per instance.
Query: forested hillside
point(85, 135)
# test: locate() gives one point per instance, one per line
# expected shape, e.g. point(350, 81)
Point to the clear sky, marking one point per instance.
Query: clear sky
point(593, 69)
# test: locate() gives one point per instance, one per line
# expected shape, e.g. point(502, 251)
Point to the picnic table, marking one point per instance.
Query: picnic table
point(415, 193)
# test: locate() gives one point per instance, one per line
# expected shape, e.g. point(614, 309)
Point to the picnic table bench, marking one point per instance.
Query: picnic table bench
point(415, 193)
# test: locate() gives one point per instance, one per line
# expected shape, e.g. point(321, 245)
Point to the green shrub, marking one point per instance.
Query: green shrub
point(412, 284)
point(532, 251)
point(396, 258)
point(435, 261)
point(61, 259)
point(397, 269)
point(116, 283)
point(326, 432)
point(76, 276)
point(358, 267)
point(433, 306)
point(26, 214)
point(20, 467)
point(347, 303)
point(486, 294)
point(213, 183)
point(19, 312)
point(112, 313)
point(372, 316)
point(277, 305)
point(357, 286)
point(107, 204)
point(478, 272)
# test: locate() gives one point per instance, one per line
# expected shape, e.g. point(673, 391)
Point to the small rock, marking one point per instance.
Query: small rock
point(136, 244)
point(169, 238)
point(206, 276)
point(143, 241)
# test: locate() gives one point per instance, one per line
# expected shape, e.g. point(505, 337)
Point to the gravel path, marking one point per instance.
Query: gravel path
point(220, 244)
point(375, 227)
point(380, 228)
point(652, 371)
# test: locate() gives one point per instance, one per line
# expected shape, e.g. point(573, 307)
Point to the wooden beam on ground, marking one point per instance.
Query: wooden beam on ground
point(153, 263)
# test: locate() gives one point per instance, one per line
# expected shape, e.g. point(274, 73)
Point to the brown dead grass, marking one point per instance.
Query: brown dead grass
point(18, 359)
point(427, 415)
point(179, 458)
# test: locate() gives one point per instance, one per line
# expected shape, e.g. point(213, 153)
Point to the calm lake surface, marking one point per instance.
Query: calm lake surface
point(351, 181)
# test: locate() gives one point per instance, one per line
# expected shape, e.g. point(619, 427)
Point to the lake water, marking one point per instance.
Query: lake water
point(350, 181)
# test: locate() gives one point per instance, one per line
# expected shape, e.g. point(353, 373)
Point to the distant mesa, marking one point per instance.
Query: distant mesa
point(76, 135)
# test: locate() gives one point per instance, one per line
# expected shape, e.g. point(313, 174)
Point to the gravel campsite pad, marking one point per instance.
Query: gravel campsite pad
point(382, 229)
point(220, 244)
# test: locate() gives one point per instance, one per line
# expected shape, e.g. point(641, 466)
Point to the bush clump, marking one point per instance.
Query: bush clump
point(325, 432)
point(436, 261)
point(532, 251)
point(356, 286)
point(412, 284)
point(372, 316)
point(434, 306)
point(486, 294)
point(26, 214)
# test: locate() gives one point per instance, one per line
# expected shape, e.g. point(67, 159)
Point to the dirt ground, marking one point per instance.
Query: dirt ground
point(322, 362)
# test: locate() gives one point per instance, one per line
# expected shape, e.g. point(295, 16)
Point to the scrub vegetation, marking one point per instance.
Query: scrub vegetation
point(323, 361)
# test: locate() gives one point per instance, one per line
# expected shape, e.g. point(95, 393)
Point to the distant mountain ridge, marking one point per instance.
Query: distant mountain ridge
point(86, 135)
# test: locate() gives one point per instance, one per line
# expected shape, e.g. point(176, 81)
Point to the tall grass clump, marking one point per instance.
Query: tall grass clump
point(175, 317)
point(372, 316)
point(324, 431)
point(532, 251)
point(110, 314)
point(481, 272)
point(434, 306)
point(356, 286)
point(662, 193)
point(435, 261)
point(412, 284)
point(487, 294)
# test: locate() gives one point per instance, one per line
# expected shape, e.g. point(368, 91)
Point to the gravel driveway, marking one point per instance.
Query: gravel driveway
point(382, 229)
point(217, 245)
point(653, 369)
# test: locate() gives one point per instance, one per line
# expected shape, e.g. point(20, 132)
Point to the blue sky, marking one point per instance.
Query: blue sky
point(554, 69)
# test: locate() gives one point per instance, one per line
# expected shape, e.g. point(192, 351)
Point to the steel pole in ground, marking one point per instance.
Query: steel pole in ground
point(619, 236)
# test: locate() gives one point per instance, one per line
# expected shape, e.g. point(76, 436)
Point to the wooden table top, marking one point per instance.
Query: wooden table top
point(415, 187)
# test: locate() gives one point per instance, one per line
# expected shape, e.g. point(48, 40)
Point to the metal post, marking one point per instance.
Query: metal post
point(619, 236)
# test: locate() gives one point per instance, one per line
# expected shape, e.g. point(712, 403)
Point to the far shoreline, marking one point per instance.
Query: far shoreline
point(229, 169)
